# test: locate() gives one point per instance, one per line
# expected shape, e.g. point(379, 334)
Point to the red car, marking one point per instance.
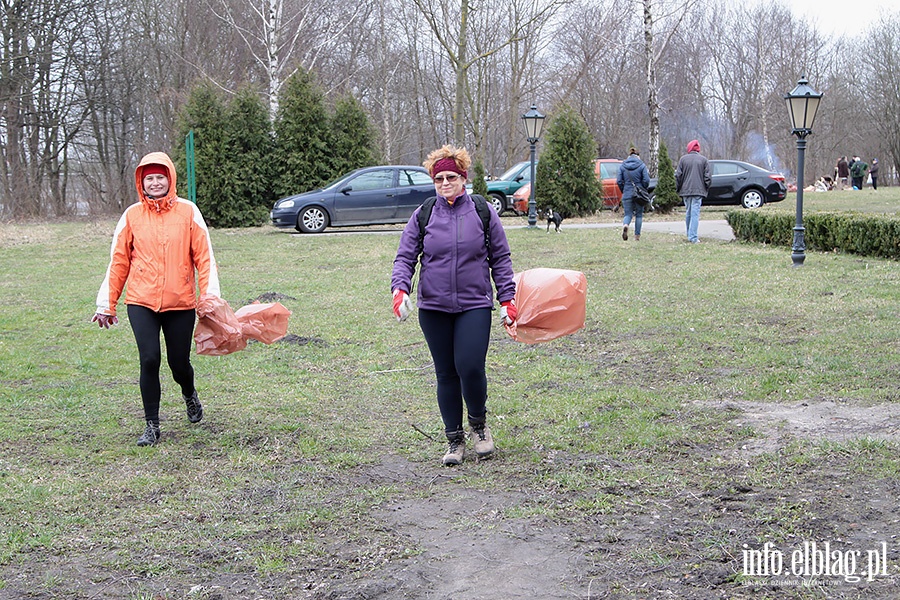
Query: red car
point(606, 170)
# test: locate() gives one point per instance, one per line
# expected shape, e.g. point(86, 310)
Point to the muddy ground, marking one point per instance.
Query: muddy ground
point(687, 548)
point(443, 537)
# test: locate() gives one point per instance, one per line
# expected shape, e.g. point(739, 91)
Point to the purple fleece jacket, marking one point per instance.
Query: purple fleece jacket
point(455, 275)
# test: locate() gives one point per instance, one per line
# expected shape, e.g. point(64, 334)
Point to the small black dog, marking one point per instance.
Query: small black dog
point(553, 218)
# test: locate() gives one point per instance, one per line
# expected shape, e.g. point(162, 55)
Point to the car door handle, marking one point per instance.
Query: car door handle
point(389, 195)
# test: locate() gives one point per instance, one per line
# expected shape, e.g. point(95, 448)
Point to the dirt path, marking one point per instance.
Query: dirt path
point(463, 543)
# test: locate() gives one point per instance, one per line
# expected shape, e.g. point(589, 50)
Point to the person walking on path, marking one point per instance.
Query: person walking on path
point(160, 252)
point(873, 173)
point(457, 260)
point(632, 172)
point(692, 181)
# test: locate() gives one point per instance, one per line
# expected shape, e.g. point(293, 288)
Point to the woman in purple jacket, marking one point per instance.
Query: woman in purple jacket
point(455, 297)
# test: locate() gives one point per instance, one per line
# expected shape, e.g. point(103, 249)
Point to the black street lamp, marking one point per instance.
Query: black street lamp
point(802, 104)
point(534, 122)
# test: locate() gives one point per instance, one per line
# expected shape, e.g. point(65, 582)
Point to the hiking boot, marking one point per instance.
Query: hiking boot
point(150, 437)
point(194, 408)
point(456, 451)
point(484, 443)
point(625, 233)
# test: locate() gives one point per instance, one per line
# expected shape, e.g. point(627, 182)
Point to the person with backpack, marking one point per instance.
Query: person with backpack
point(633, 172)
point(858, 169)
point(458, 242)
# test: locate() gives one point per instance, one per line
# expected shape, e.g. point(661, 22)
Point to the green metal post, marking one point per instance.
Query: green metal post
point(191, 168)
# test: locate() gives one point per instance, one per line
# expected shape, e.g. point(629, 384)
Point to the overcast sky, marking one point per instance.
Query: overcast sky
point(842, 17)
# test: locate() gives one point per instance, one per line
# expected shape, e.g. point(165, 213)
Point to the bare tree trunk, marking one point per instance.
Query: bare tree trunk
point(652, 102)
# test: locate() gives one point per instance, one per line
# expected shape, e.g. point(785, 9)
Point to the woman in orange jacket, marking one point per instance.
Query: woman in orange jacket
point(161, 250)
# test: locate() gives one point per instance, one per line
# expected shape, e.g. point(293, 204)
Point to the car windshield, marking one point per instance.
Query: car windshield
point(512, 172)
point(339, 180)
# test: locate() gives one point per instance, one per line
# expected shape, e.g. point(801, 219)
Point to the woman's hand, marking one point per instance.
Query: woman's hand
point(508, 312)
point(402, 305)
point(104, 321)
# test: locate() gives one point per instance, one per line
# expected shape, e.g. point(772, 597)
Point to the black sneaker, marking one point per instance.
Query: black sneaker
point(194, 408)
point(150, 437)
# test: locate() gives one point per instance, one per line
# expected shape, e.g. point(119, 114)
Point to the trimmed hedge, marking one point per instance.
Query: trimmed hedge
point(865, 234)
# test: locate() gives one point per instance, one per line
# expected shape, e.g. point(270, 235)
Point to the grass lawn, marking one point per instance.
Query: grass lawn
point(717, 399)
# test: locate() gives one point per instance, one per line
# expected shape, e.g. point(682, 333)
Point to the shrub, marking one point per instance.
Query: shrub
point(479, 185)
point(666, 196)
point(868, 235)
point(566, 168)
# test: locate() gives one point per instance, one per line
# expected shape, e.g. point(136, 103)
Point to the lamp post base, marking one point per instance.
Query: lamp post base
point(798, 250)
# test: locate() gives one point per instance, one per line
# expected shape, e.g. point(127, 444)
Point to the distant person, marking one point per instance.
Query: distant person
point(457, 261)
point(632, 172)
point(161, 252)
point(842, 173)
point(873, 173)
point(692, 181)
point(858, 171)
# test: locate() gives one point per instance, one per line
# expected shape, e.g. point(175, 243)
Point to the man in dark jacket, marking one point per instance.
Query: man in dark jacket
point(858, 170)
point(692, 181)
point(842, 173)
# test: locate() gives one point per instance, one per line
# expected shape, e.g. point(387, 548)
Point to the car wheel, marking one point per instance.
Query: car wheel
point(498, 202)
point(312, 219)
point(752, 199)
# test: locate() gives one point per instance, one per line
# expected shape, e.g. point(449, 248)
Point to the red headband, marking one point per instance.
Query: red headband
point(154, 169)
point(447, 164)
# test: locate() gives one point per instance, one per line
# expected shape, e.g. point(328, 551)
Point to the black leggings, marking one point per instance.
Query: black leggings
point(178, 328)
point(458, 344)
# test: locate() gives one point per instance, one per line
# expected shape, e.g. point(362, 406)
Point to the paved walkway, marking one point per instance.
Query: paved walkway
point(714, 229)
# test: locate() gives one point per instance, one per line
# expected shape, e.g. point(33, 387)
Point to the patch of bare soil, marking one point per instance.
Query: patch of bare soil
point(817, 421)
point(687, 545)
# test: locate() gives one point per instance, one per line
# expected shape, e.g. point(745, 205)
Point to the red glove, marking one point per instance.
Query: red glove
point(508, 312)
point(402, 305)
point(104, 321)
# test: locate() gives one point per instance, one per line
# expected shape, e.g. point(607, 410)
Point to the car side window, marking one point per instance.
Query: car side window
point(373, 180)
point(409, 178)
point(609, 170)
point(724, 169)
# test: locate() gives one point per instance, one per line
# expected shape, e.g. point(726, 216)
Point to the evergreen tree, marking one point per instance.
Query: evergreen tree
point(303, 141)
point(244, 181)
point(565, 179)
point(204, 114)
point(353, 138)
point(479, 185)
point(666, 197)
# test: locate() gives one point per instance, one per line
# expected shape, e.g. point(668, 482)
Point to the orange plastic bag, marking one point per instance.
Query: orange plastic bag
point(222, 331)
point(264, 323)
point(550, 303)
point(218, 330)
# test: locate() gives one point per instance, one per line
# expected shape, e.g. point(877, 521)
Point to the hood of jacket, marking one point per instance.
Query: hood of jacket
point(632, 163)
point(693, 146)
point(157, 204)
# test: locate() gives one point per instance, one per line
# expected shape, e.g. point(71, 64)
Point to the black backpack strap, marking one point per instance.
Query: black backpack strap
point(483, 208)
point(424, 217)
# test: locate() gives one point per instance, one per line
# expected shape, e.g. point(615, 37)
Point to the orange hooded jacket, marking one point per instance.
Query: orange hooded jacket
point(157, 246)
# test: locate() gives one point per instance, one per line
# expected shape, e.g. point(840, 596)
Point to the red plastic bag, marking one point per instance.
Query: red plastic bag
point(218, 330)
point(264, 323)
point(551, 303)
